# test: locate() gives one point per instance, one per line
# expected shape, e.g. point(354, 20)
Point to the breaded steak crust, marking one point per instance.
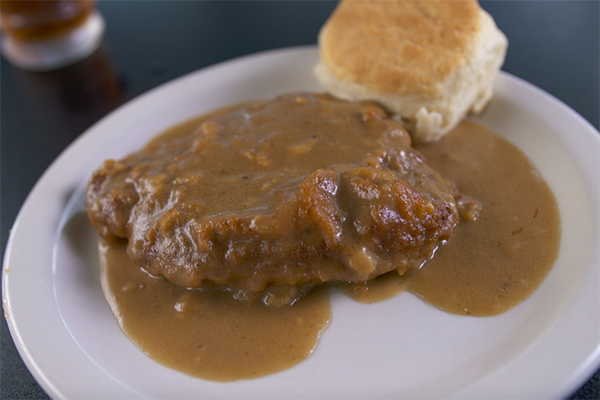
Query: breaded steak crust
point(297, 191)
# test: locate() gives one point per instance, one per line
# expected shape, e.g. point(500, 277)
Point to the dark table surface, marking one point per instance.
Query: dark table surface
point(553, 44)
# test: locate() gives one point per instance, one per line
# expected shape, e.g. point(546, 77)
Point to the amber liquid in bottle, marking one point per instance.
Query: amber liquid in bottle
point(45, 19)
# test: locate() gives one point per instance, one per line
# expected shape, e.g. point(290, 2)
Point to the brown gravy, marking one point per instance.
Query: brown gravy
point(486, 268)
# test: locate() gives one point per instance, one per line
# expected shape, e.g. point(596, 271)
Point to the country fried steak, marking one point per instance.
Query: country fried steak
point(275, 196)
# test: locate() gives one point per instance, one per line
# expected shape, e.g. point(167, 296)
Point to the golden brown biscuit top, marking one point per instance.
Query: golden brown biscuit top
point(398, 46)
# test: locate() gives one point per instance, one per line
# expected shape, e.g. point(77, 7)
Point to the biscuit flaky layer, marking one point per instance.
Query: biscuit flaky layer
point(398, 46)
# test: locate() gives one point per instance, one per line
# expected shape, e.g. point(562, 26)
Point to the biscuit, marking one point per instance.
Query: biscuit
point(430, 62)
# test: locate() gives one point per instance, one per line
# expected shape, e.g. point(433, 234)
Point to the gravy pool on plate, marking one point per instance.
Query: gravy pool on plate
point(486, 267)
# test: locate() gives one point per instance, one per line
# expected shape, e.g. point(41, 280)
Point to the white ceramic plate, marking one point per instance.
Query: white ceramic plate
point(401, 348)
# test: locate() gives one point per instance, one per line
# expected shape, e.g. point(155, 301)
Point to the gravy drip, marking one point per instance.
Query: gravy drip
point(492, 264)
point(487, 267)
